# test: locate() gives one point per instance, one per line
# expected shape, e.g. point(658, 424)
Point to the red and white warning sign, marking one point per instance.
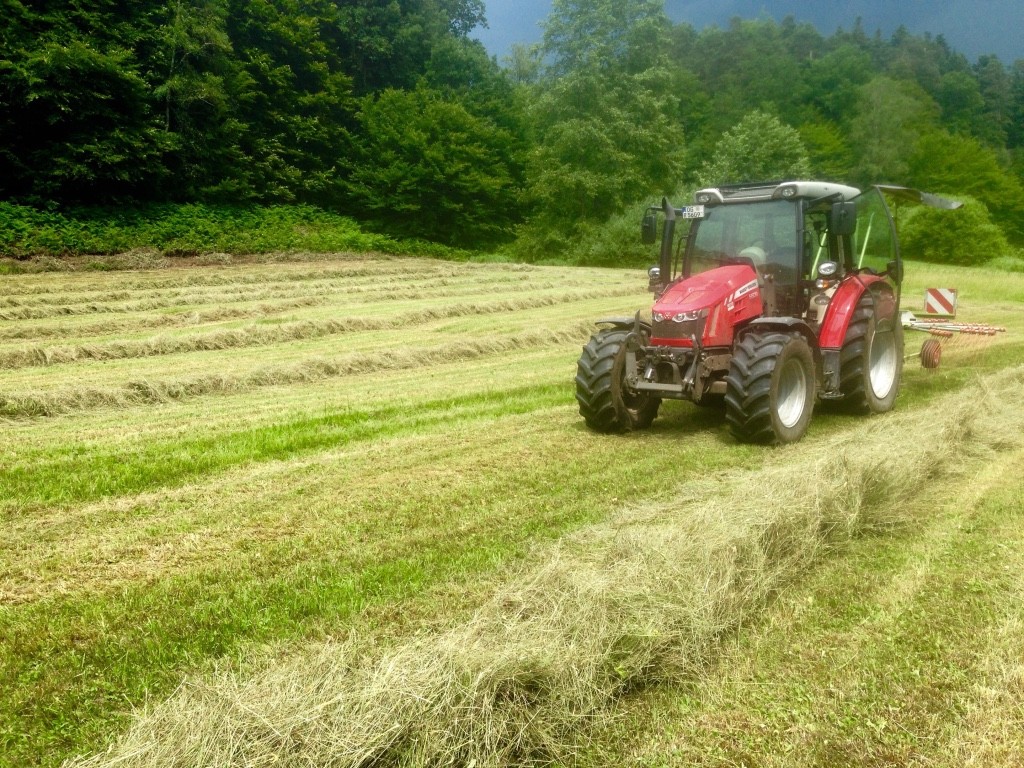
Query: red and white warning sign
point(940, 301)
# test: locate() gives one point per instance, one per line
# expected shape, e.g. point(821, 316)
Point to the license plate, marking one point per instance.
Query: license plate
point(692, 212)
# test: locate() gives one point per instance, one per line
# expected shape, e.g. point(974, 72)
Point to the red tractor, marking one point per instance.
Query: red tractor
point(787, 293)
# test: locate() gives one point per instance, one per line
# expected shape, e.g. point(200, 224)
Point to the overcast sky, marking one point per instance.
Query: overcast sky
point(972, 27)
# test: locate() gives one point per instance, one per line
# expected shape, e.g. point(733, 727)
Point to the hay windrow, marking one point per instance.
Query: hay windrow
point(241, 273)
point(119, 302)
point(257, 335)
point(221, 290)
point(617, 606)
point(180, 319)
point(397, 277)
point(156, 391)
point(212, 313)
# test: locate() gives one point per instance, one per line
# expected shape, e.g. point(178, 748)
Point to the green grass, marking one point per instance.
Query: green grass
point(75, 478)
point(149, 538)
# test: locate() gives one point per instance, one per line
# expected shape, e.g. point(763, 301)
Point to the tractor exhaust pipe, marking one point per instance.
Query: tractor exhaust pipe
point(667, 238)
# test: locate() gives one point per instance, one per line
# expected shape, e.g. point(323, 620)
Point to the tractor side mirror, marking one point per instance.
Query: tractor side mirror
point(843, 219)
point(649, 229)
point(895, 270)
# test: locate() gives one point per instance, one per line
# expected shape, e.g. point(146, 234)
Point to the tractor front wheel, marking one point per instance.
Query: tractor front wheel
point(770, 388)
point(606, 401)
point(871, 360)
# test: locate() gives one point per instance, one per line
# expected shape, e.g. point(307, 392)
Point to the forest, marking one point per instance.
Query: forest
point(390, 114)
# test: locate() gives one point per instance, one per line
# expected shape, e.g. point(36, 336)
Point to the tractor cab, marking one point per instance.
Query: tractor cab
point(800, 239)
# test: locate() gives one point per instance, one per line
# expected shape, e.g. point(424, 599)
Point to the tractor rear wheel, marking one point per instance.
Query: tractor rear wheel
point(871, 360)
point(607, 404)
point(770, 388)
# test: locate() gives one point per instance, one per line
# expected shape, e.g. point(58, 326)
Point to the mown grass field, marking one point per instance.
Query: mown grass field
point(215, 466)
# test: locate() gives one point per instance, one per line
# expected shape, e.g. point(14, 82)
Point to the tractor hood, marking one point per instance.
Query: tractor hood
point(706, 306)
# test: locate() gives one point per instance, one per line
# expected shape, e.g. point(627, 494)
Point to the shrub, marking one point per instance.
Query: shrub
point(190, 230)
point(966, 236)
point(1014, 263)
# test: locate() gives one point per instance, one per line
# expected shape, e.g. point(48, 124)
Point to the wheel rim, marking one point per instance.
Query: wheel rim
point(882, 364)
point(634, 402)
point(792, 393)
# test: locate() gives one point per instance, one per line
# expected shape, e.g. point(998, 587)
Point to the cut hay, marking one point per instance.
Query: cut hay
point(134, 323)
point(156, 391)
point(642, 598)
point(263, 335)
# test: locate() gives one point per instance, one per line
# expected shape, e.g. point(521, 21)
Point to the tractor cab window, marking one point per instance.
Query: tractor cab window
point(874, 243)
point(763, 234)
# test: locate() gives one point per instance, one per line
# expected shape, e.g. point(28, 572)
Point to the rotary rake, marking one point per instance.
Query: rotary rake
point(969, 337)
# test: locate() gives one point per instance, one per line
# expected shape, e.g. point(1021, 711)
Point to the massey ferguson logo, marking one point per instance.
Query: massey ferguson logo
point(743, 290)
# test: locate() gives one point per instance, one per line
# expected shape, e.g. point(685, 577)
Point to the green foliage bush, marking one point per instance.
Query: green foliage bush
point(427, 167)
point(1014, 263)
point(758, 148)
point(966, 236)
point(968, 167)
point(185, 230)
point(616, 242)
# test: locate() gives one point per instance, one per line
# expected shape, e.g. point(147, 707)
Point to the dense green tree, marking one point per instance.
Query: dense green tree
point(386, 44)
point(758, 148)
point(605, 115)
point(962, 104)
point(828, 150)
point(961, 165)
point(316, 101)
point(78, 122)
point(424, 166)
point(891, 116)
point(198, 86)
point(1015, 130)
point(297, 104)
point(832, 81)
point(749, 65)
point(622, 36)
point(600, 146)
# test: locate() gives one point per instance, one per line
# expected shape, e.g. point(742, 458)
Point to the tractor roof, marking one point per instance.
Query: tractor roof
point(774, 190)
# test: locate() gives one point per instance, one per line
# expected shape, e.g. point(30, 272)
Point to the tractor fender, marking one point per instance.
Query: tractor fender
point(837, 320)
point(841, 308)
point(789, 326)
point(625, 323)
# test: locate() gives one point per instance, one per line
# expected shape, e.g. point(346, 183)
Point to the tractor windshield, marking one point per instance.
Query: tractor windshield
point(763, 234)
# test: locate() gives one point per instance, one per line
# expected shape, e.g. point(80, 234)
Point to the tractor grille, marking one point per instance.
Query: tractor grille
point(667, 329)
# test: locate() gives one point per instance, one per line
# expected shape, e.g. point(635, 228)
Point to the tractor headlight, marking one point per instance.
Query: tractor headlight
point(680, 317)
point(827, 269)
point(654, 274)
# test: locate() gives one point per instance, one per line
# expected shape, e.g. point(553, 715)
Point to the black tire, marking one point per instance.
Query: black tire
point(770, 389)
point(871, 360)
point(606, 403)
